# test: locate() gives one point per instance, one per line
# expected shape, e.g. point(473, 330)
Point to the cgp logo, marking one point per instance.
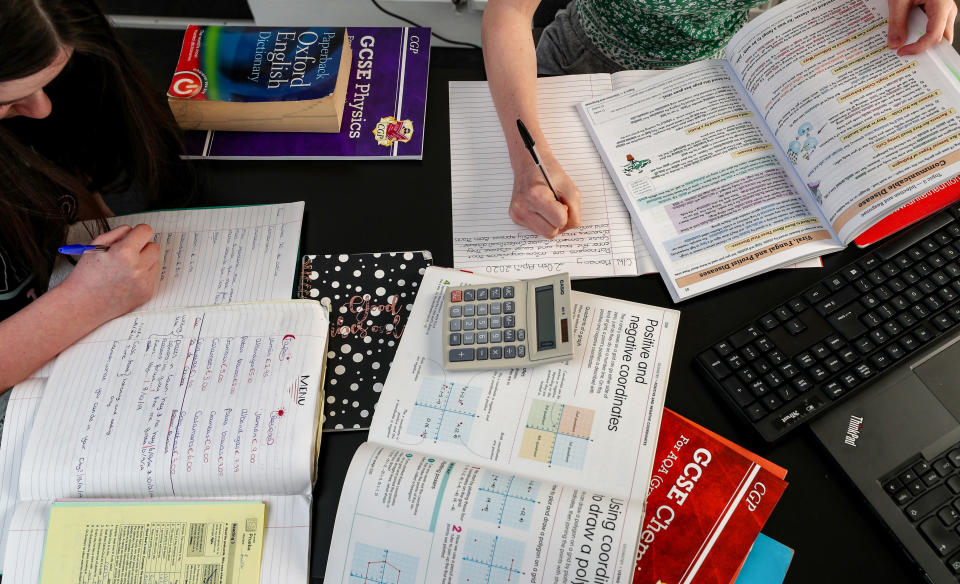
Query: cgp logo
point(185, 84)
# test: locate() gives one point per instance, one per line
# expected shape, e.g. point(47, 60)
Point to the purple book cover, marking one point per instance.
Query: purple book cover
point(382, 118)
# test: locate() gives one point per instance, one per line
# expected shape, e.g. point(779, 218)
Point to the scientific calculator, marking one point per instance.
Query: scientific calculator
point(510, 324)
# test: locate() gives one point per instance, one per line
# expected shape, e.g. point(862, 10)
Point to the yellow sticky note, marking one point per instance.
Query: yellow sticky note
point(208, 542)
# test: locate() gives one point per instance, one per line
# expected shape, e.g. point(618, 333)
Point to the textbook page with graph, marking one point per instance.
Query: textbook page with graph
point(536, 474)
point(191, 402)
point(808, 132)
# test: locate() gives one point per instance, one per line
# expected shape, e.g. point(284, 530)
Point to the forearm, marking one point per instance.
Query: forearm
point(511, 64)
point(40, 331)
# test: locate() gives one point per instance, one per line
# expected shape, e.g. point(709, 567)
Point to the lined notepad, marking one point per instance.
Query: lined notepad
point(485, 239)
point(215, 256)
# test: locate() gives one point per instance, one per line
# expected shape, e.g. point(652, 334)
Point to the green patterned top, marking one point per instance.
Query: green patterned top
point(658, 34)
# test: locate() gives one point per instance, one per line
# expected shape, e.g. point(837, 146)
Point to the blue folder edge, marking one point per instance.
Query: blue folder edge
point(766, 563)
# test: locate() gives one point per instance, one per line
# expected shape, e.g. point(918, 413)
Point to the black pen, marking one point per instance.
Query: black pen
point(531, 147)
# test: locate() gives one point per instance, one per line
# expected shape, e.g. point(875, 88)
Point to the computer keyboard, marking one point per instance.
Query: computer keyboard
point(928, 492)
point(817, 347)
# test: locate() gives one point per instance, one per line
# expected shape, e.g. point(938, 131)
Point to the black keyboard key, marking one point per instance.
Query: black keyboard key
point(878, 336)
point(890, 269)
point(940, 278)
point(881, 360)
point(910, 276)
point(774, 379)
point(931, 478)
point(787, 393)
point(864, 345)
point(847, 320)
point(942, 322)
point(758, 388)
point(916, 487)
point(769, 322)
point(771, 401)
point(947, 294)
point(892, 486)
point(907, 476)
point(820, 351)
point(848, 355)
point(797, 305)
point(895, 352)
point(764, 344)
point(876, 277)
point(932, 499)
point(783, 313)
point(714, 364)
point(834, 342)
point(756, 411)
point(872, 320)
point(849, 380)
point(745, 336)
point(886, 311)
point(954, 564)
point(833, 389)
point(921, 468)
point(789, 370)
point(884, 293)
point(909, 343)
point(833, 363)
point(802, 384)
point(795, 326)
point(902, 261)
point(901, 497)
point(943, 540)
point(954, 456)
point(746, 375)
point(913, 295)
point(762, 367)
point(954, 483)
point(892, 328)
point(942, 466)
point(868, 263)
point(843, 297)
point(738, 391)
point(816, 294)
point(852, 272)
point(933, 302)
point(863, 285)
point(723, 348)
point(948, 516)
point(776, 357)
point(834, 283)
point(907, 320)
point(749, 353)
point(818, 373)
point(923, 334)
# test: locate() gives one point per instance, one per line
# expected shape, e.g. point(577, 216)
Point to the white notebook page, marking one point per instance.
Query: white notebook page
point(485, 239)
point(21, 409)
point(216, 256)
point(189, 402)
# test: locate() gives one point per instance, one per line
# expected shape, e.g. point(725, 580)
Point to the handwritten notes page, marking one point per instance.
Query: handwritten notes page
point(485, 240)
point(21, 409)
point(189, 402)
point(216, 256)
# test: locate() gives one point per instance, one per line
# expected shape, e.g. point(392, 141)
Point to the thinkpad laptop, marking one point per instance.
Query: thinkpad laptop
point(900, 444)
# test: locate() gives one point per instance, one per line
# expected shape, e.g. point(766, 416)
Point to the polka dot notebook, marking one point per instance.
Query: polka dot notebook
point(370, 295)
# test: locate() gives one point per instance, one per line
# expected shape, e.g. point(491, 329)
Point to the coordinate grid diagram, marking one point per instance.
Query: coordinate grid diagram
point(373, 565)
point(506, 500)
point(557, 434)
point(444, 411)
point(491, 559)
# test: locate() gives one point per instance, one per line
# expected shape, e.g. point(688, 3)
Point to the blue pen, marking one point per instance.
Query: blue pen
point(80, 249)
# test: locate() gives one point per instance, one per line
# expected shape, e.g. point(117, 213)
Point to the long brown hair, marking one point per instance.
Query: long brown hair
point(107, 131)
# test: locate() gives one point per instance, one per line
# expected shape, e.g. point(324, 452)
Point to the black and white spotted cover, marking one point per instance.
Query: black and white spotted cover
point(371, 295)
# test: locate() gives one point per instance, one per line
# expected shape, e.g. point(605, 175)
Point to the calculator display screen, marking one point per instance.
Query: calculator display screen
point(546, 331)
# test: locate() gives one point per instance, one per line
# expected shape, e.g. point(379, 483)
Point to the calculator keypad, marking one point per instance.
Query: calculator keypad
point(483, 325)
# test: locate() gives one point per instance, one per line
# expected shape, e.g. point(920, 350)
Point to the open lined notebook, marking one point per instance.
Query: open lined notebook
point(210, 390)
point(201, 402)
point(485, 239)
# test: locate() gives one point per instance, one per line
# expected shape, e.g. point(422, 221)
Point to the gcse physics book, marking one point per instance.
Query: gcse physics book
point(383, 115)
point(534, 474)
point(806, 134)
point(215, 402)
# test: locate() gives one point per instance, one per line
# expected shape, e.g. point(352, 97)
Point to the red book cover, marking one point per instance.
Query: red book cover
point(923, 206)
point(708, 500)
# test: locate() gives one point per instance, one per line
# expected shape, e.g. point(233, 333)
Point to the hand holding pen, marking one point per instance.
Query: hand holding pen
point(544, 198)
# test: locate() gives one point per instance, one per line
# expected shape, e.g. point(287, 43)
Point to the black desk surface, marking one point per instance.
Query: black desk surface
point(358, 206)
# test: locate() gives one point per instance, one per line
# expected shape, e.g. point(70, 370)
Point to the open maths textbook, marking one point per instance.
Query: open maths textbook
point(807, 133)
point(532, 474)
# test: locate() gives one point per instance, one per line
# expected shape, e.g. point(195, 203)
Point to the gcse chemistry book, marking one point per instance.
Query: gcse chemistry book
point(708, 501)
point(805, 135)
point(534, 474)
point(209, 402)
point(383, 114)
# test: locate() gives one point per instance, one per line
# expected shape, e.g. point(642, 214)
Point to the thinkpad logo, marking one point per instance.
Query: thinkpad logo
point(853, 431)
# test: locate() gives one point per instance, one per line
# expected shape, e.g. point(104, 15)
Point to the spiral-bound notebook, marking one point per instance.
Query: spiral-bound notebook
point(371, 295)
